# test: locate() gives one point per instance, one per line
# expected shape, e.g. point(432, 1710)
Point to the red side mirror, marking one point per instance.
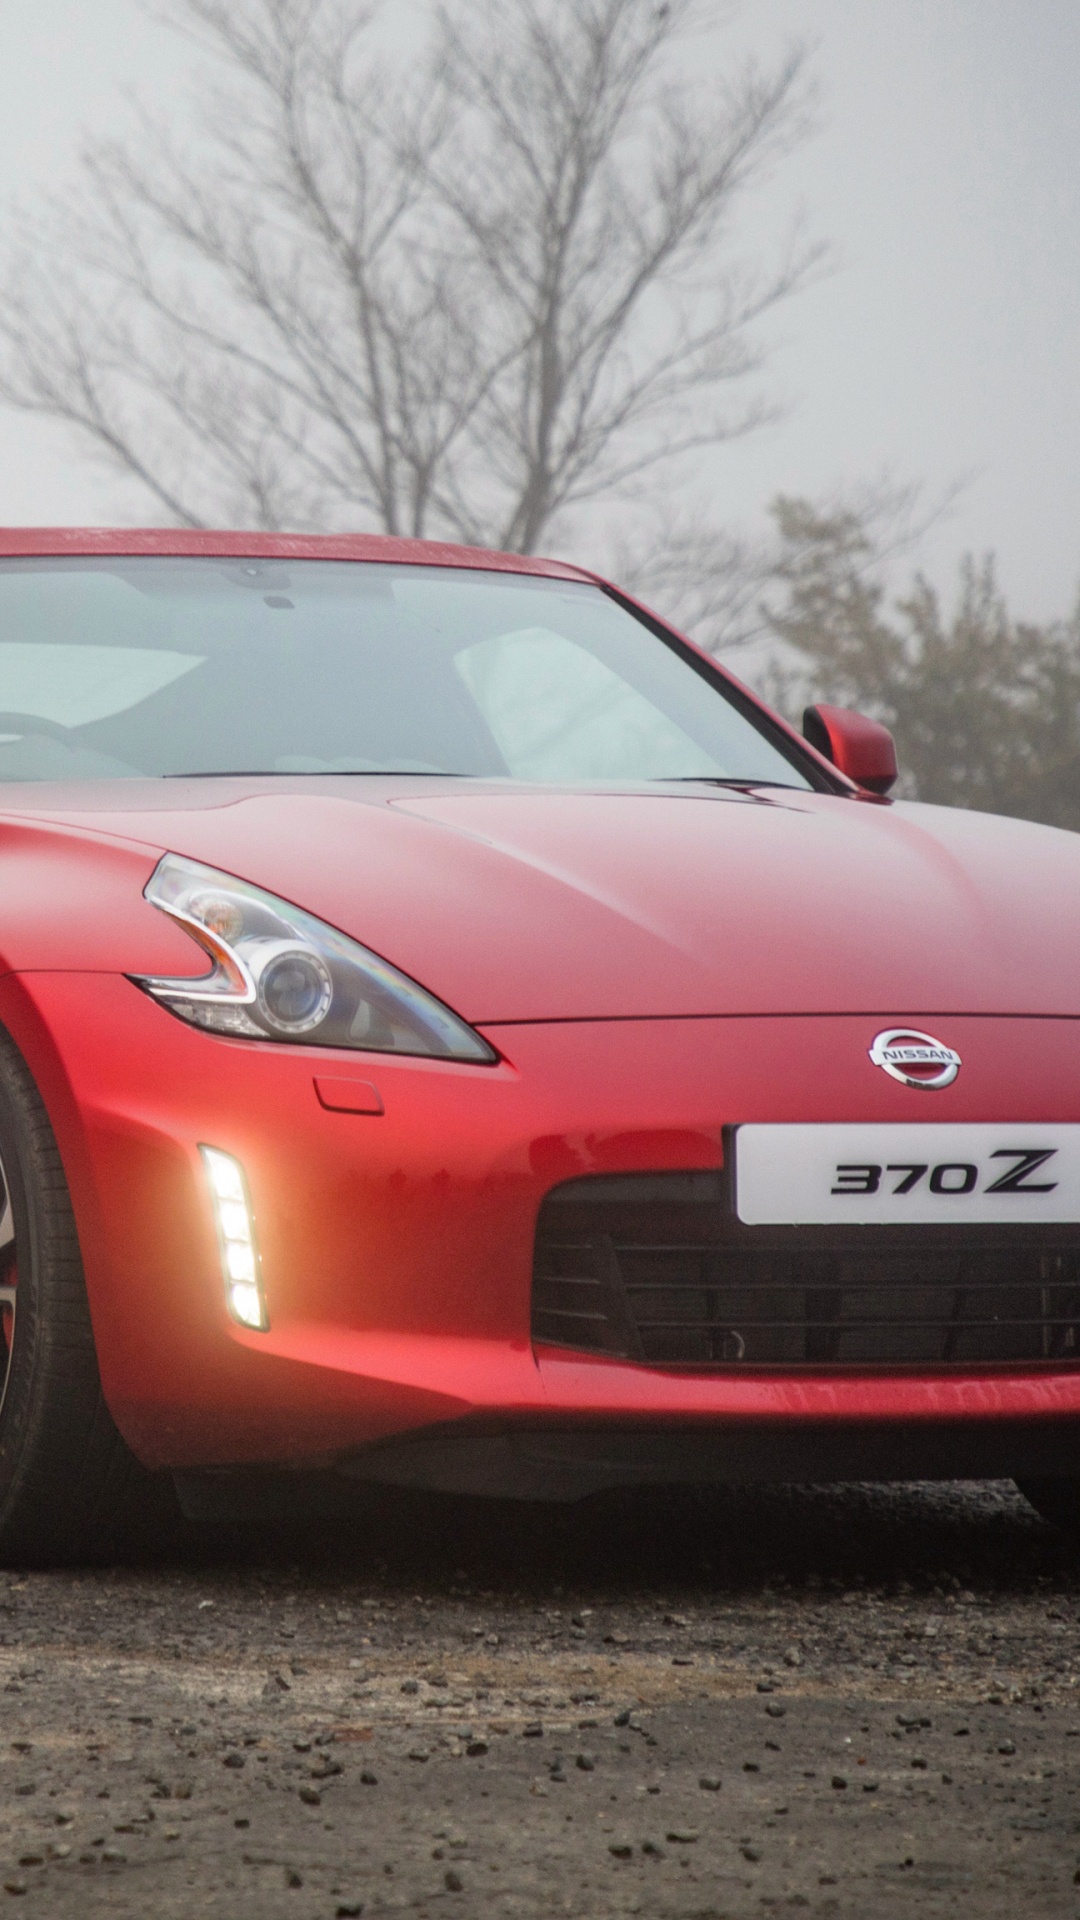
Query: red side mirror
point(861, 748)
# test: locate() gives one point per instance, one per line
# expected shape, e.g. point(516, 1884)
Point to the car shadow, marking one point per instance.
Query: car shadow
point(915, 1534)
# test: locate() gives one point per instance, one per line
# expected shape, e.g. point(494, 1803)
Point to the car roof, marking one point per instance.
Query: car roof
point(29, 542)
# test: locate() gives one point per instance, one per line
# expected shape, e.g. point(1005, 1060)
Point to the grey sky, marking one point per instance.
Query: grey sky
point(947, 174)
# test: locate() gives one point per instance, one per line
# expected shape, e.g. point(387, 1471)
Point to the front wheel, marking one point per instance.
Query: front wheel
point(70, 1489)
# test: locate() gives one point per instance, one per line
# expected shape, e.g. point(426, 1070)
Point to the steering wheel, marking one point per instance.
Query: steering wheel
point(33, 723)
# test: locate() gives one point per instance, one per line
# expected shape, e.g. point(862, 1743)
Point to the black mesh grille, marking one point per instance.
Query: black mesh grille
point(654, 1268)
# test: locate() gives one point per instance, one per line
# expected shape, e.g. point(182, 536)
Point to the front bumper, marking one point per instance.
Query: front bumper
point(397, 1249)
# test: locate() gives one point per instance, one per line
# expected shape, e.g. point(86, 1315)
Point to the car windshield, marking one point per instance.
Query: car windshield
point(113, 668)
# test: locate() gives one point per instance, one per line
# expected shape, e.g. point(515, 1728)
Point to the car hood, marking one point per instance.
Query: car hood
point(517, 904)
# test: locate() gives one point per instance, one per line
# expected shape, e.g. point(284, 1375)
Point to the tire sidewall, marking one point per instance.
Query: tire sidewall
point(16, 1154)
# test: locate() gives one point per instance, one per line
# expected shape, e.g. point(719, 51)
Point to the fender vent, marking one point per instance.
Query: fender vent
point(653, 1268)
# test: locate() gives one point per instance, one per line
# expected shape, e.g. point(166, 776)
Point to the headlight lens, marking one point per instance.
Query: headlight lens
point(280, 974)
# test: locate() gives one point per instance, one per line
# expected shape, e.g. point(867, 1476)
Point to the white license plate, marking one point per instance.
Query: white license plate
point(917, 1174)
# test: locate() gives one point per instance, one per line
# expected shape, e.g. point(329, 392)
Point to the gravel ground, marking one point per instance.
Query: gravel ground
point(854, 1701)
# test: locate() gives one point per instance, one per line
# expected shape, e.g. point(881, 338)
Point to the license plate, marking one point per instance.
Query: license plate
point(918, 1174)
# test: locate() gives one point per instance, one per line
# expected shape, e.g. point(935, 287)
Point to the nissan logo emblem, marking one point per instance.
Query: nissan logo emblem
point(915, 1059)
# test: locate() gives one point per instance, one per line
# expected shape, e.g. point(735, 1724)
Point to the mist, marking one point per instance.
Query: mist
point(939, 349)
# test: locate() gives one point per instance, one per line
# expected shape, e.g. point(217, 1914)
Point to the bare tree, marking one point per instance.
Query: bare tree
point(713, 583)
point(459, 299)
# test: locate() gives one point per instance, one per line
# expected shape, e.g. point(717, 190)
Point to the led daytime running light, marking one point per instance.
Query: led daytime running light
point(230, 982)
point(233, 1218)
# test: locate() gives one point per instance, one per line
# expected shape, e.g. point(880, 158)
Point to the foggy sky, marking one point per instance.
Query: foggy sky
point(943, 346)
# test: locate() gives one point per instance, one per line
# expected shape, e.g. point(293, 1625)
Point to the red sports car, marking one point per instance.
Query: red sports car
point(453, 1035)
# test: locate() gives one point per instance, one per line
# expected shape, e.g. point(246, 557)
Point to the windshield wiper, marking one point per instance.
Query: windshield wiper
point(323, 772)
point(718, 780)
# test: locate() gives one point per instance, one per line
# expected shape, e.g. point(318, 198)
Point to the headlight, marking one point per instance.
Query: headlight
point(280, 974)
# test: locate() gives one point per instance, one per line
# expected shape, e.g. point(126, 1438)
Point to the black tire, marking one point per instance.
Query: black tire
point(1058, 1501)
point(70, 1489)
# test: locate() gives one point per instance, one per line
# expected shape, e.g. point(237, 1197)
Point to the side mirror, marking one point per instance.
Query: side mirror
point(861, 748)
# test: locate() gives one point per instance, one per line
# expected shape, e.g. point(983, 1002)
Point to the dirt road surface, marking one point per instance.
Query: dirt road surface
point(853, 1702)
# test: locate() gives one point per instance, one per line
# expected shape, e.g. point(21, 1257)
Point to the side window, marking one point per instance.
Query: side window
point(558, 713)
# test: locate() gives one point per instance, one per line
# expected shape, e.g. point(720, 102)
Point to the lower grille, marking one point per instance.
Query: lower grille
point(654, 1268)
